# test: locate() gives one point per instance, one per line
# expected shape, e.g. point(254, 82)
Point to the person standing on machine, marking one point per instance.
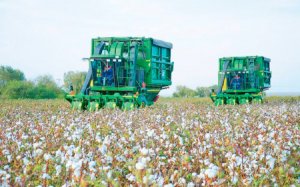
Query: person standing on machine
point(236, 82)
point(107, 76)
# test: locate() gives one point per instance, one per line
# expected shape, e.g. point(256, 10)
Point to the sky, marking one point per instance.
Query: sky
point(52, 36)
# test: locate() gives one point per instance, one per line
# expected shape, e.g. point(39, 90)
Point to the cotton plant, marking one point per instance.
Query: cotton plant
point(169, 144)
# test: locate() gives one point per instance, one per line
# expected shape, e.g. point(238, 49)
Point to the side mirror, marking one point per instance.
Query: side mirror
point(84, 59)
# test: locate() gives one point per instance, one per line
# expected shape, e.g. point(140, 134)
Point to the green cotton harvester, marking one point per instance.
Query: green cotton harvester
point(242, 80)
point(124, 72)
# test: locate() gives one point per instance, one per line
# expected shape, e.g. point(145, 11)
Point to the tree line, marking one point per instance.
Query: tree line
point(14, 85)
point(183, 91)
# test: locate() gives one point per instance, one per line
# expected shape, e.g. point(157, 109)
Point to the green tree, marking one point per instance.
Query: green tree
point(7, 74)
point(46, 88)
point(18, 90)
point(183, 91)
point(14, 86)
point(205, 91)
point(41, 92)
point(76, 79)
point(201, 91)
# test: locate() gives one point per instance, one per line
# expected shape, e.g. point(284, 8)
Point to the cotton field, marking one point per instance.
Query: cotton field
point(173, 143)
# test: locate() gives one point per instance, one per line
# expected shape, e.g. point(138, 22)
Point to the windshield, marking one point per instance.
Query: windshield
point(235, 80)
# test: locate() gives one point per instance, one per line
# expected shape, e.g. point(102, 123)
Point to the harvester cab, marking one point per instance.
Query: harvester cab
point(124, 72)
point(235, 81)
point(242, 80)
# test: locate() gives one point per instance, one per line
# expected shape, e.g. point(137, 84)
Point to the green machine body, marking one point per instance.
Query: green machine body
point(242, 80)
point(124, 72)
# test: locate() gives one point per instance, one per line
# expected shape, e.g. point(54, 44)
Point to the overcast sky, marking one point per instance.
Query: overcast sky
point(52, 36)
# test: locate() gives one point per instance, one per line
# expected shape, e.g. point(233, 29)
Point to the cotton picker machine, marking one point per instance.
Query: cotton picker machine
point(124, 72)
point(242, 80)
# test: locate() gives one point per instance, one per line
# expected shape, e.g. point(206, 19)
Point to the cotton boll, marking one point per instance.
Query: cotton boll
point(207, 136)
point(130, 177)
point(283, 158)
point(58, 169)
point(132, 138)
point(261, 126)
point(270, 161)
point(109, 159)
point(260, 138)
point(58, 153)
point(181, 181)
point(190, 184)
point(5, 152)
point(109, 174)
point(92, 165)
point(25, 161)
point(181, 142)
point(144, 160)
point(18, 180)
point(211, 173)
point(92, 176)
point(18, 157)
point(77, 172)
point(121, 158)
point(47, 157)
point(228, 154)
point(144, 151)
point(103, 149)
point(148, 179)
point(37, 144)
point(106, 140)
point(206, 162)
point(238, 160)
point(150, 133)
point(46, 176)
point(24, 137)
point(106, 168)
point(164, 136)
point(234, 179)
point(140, 166)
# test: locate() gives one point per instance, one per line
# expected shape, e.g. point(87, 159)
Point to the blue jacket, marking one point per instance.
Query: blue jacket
point(108, 74)
point(236, 83)
point(109, 77)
